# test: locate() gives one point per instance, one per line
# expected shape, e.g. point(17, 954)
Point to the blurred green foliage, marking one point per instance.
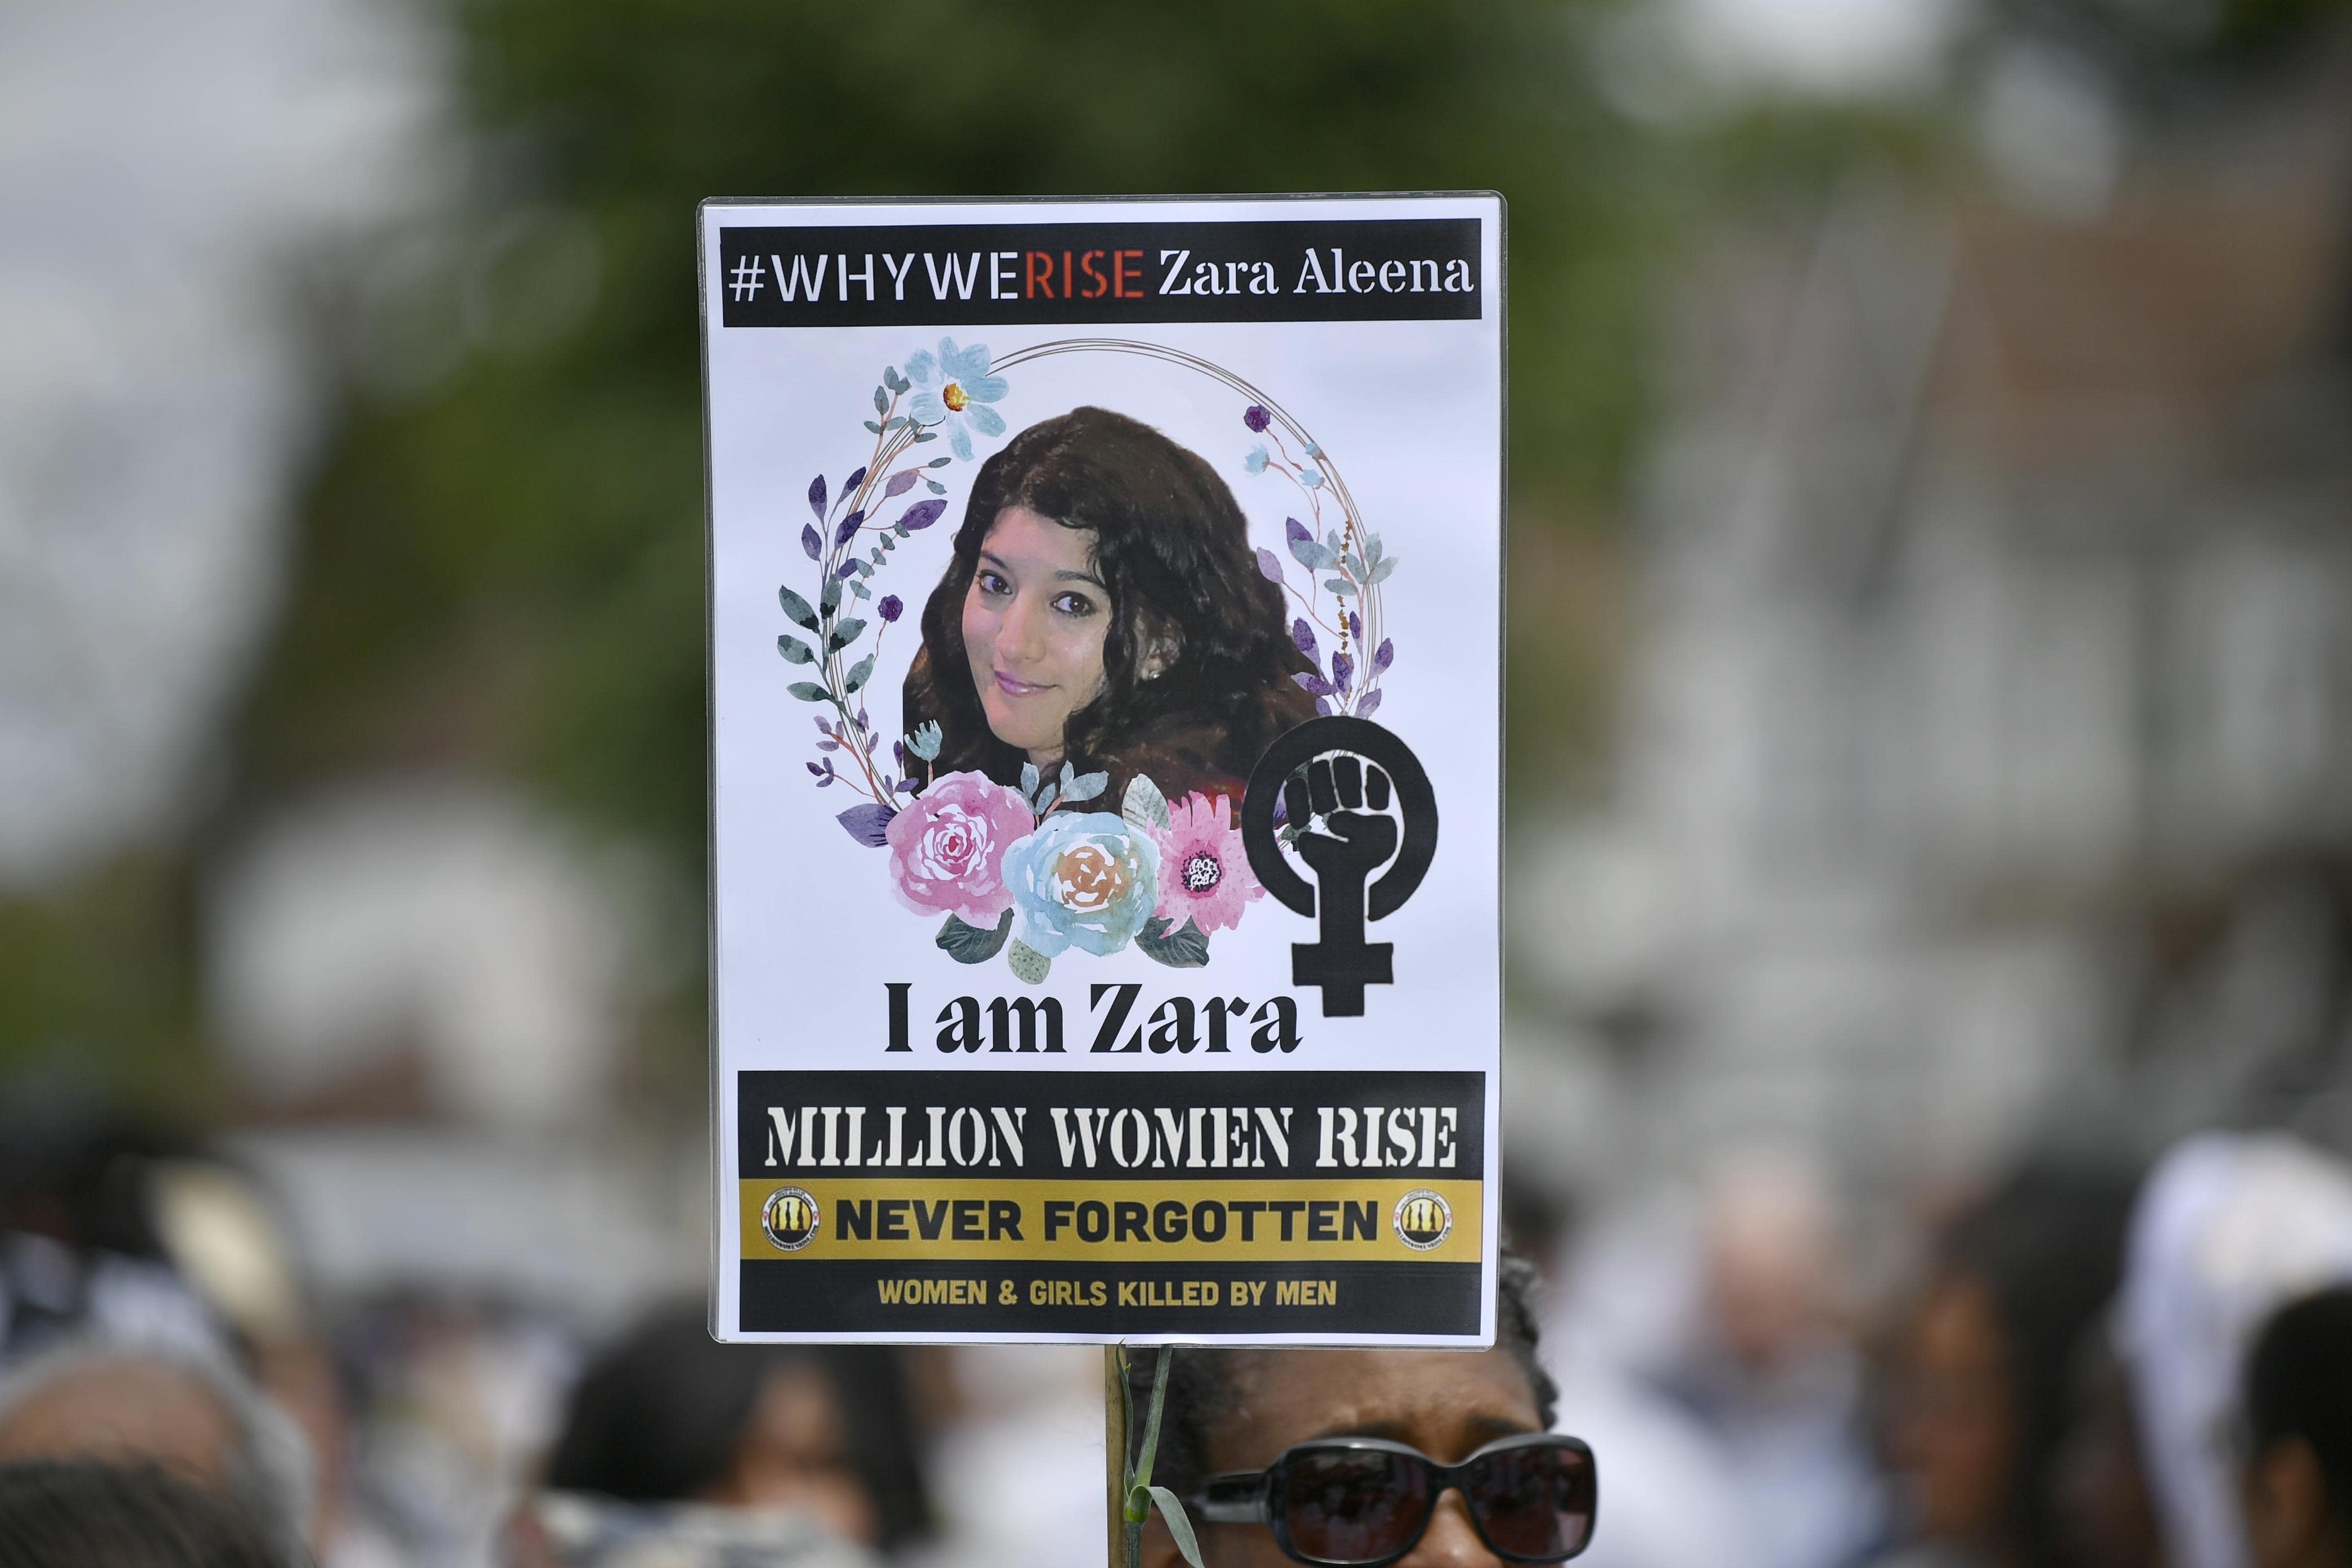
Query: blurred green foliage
point(509, 565)
point(98, 980)
point(503, 568)
point(498, 566)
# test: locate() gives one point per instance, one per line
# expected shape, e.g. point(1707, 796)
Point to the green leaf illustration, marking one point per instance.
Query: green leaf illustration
point(845, 633)
point(972, 944)
point(857, 674)
point(797, 608)
point(1187, 947)
point(1144, 806)
point(1086, 786)
point(1381, 569)
point(809, 691)
point(1027, 962)
point(1340, 586)
point(792, 649)
point(831, 597)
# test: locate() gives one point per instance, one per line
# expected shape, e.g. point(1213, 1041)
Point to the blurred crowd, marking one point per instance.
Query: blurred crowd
point(1929, 1052)
point(2078, 1365)
point(2069, 1369)
point(158, 1309)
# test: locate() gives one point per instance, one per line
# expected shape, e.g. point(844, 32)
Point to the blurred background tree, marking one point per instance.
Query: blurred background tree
point(498, 557)
point(494, 564)
point(1931, 613)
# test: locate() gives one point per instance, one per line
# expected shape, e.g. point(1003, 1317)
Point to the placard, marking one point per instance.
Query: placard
point(1106, 738)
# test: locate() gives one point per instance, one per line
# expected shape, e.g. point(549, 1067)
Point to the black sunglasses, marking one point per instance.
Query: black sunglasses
point(1363, 1501)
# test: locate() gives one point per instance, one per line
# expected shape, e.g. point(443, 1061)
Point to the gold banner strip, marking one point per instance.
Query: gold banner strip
point(899, 1220)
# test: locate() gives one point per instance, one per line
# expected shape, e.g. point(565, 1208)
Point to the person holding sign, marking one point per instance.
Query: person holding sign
point(1104, 609)
point(1367, 1457)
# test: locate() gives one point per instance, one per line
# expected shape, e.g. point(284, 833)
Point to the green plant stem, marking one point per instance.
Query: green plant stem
point(1126, 1429)
point(1137, 1507)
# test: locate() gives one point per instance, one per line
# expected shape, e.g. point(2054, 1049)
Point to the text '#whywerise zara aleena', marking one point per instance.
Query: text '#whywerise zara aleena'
point(817, 276)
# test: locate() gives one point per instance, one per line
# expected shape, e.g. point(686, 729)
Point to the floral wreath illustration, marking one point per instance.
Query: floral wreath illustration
point(1031, 872)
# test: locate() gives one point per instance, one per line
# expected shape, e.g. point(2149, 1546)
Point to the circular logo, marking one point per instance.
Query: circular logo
point(789, 1217)
point(1424, 1219)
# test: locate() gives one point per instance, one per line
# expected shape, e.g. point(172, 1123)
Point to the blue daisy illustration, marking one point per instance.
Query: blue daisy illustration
point(954, 389)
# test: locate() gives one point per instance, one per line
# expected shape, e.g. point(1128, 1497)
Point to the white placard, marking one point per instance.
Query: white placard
point(1105, 690)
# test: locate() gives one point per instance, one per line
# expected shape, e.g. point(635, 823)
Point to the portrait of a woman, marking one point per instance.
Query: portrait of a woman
point(1104, 609)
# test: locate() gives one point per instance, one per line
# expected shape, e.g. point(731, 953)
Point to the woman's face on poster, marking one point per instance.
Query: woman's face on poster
point(1033, 622)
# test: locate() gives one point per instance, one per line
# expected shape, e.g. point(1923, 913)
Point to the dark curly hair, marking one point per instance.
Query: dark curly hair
point(1173, 546)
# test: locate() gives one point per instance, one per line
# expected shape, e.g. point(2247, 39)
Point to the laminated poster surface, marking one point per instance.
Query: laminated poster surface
point(1104, 674)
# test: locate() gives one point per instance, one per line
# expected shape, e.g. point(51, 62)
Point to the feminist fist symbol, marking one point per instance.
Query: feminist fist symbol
point(1336, 777)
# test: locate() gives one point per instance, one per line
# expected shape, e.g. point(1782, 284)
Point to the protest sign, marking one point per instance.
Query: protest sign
point(1104, 654)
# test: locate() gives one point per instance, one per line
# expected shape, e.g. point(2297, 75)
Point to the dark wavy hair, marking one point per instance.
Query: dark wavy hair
point(1173, 546)
point(2046, 1245)
point(660, 1413)
point(76, 1513)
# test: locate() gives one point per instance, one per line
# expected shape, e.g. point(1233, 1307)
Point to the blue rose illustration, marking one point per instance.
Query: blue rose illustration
point(1086, 880)
point(955, 390)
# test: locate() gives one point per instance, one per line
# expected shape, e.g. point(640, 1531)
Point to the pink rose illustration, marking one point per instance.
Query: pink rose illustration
point(947, 847)
point(1204, 872)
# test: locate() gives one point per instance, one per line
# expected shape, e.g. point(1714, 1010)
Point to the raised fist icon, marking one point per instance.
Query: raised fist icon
point(1354, 798)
